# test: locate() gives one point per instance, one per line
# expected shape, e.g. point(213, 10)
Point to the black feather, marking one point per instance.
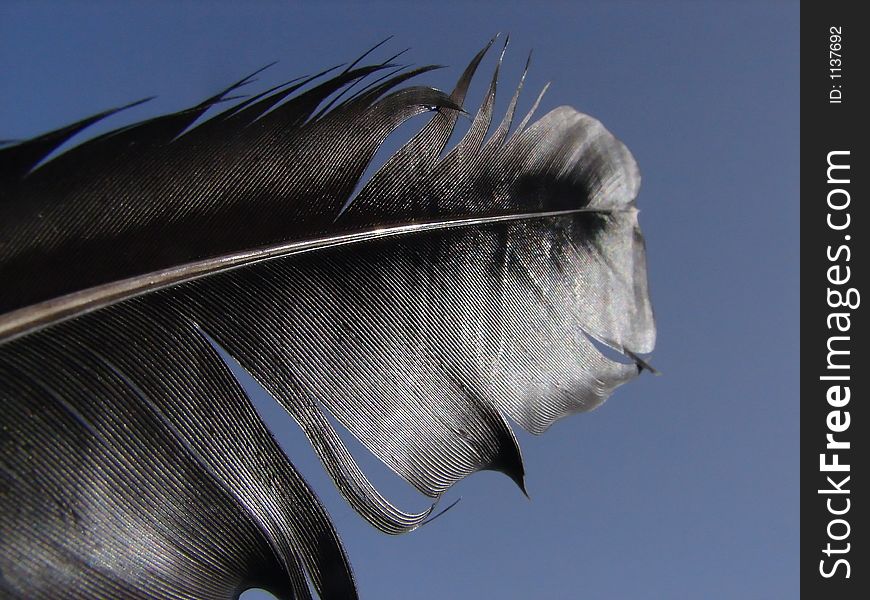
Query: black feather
point(452, 292)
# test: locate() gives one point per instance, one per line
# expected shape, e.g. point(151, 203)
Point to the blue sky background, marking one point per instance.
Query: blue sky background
point(681, 486)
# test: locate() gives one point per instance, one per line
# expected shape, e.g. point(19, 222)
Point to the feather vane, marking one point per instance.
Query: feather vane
point(455, 291)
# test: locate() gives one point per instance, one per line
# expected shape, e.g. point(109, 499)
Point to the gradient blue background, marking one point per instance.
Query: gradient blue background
point(681, 486)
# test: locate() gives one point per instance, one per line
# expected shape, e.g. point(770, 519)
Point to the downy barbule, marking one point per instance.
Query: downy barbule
point(457, 289)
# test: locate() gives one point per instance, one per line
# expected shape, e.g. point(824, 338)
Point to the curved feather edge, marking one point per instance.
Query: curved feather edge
point(450, 294)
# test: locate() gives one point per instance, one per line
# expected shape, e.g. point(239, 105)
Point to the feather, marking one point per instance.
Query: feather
point(453, 292)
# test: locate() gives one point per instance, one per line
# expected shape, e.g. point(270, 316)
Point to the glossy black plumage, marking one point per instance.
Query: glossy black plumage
point(453, 291)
